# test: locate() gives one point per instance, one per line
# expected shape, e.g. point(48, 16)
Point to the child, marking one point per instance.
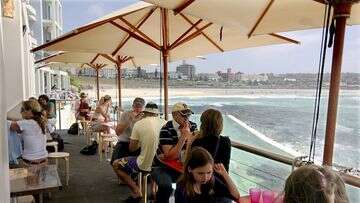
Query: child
point(198, 183)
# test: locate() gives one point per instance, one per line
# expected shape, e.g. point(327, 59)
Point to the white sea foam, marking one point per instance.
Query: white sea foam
point(265, 138)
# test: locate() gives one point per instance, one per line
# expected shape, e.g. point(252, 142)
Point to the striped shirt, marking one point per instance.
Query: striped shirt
point(169, 135)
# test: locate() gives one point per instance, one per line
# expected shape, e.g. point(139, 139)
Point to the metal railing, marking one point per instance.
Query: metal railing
point(348, 179)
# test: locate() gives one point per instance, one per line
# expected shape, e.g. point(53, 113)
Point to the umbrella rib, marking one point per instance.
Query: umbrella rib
point(284, 38)
point(108, 58)
point(93, 60)
point(185, 33)
point(182, 6)
point(49, 57)
point(81, 30)
point(135, 36)
point(205, 35)
point(192, 36)
point(261, 17)
point(123, 42)
point(138, 31)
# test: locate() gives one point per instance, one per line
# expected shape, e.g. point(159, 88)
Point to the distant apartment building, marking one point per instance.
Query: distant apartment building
point(186, 70)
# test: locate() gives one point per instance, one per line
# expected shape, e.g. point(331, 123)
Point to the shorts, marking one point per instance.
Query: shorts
point(128, 165)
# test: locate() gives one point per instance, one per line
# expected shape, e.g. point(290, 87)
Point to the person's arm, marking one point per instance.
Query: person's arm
point(134, 145)
point(51, 109)
point(134, 139)
point(174, 151)
point(226, 153)
point(123, 124)
point(104, 114)
point(15, 127)
point(220, 169)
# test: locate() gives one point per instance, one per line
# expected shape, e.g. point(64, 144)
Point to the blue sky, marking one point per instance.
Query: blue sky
point(276, 59)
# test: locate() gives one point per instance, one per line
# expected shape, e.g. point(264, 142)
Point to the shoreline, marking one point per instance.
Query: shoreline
point(211, 92)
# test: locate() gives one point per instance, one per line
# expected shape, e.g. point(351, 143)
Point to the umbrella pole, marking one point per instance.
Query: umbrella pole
point(118, 67)
point(97, 83)
point(165, 54)
point(341, 12)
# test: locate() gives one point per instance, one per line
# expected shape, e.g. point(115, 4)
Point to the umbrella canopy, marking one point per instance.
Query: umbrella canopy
point(149, 33)
point(95, 61)
point(109, 33)
point(260, 16)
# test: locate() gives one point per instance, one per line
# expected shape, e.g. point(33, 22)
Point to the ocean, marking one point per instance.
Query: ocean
point(279, 122)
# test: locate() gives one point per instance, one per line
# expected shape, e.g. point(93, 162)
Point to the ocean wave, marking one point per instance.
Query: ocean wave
point(266, 139)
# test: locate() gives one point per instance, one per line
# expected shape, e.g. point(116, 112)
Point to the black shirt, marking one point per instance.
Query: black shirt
point(219, 190)
point(168, 134)
point(222, 155)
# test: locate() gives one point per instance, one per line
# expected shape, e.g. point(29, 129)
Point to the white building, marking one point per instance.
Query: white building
point(45, 21)
point(254, 77)
point(21, 28)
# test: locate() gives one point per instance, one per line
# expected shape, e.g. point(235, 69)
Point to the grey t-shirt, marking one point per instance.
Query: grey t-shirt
point(129, 120)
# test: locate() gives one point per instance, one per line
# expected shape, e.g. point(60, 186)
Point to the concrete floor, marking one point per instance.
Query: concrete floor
point(90, 180)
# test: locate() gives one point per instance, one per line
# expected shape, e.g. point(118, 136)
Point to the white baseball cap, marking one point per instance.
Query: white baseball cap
point(183, 108)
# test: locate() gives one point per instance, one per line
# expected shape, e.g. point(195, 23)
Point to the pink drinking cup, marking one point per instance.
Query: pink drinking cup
point(268, 196)
point(255, 194)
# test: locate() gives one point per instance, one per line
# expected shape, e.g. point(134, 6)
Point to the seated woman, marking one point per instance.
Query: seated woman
point(101, 116)
point(209, 137)
point(48, 109)
point(312, 183)
point(32, 129)
point(82, 108)
point(198, 183)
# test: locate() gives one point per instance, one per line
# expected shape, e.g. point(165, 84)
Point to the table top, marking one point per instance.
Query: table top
point(33, 180)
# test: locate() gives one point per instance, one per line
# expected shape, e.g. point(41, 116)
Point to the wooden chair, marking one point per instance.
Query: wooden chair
point(66, 157)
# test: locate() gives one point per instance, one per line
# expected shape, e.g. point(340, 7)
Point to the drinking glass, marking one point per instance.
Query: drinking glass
point(255, 194)
point(268, 196)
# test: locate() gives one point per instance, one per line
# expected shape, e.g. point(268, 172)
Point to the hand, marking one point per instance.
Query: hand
point(220, 169)
point(180, 119)
point(185, 131)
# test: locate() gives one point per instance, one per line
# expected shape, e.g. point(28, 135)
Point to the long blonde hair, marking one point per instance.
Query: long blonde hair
point(35, 108)
point(311, 183)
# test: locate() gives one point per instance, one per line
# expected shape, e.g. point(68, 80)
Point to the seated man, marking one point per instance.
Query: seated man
point(124, 129)
point(145, 135)
point(172, 145)
point(82, 108)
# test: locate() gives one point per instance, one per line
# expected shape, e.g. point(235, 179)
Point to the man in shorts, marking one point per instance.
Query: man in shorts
point(145, 135)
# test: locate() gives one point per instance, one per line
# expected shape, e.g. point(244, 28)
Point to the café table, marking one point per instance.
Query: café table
point(34, 180)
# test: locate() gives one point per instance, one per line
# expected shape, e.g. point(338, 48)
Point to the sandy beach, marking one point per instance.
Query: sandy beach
point(205, 92)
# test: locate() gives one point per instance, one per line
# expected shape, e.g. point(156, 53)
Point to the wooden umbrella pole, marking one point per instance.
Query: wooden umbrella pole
point(165, 55)
point(97, 83)
point(118, 67)
point(341, 13)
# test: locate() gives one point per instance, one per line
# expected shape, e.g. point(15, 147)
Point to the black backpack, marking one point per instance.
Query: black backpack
point(90, 149)
point(74, 129)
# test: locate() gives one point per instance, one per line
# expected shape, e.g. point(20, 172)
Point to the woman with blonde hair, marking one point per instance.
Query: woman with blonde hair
point(314, 184)
point(32, 129)
point(101, 115)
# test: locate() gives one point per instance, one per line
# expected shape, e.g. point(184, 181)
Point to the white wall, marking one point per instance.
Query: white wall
point(4, 167)
point(14, 58)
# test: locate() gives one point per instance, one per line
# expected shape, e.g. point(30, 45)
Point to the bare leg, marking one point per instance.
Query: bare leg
point(126, 179)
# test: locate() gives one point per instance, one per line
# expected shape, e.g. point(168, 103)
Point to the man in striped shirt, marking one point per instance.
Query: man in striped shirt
point(171, 144)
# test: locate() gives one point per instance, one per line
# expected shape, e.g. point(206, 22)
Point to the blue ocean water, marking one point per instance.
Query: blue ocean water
point(282, 124)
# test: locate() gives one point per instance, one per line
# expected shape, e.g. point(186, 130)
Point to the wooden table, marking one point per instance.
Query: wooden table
point(34, 180)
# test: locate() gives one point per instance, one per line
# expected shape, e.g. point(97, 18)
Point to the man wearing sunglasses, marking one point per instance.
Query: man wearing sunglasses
point(171, 144)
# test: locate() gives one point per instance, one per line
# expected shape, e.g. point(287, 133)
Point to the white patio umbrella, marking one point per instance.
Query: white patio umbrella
point(269, 16)
point(149, 33)
point(95, 61)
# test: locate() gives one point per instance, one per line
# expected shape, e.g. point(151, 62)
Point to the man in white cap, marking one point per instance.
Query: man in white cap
point(145, 135)
point(171, 144)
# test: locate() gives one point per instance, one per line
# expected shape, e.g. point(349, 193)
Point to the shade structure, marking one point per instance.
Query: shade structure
point(258, 16)
point(149, 33)
point(268, 16)
point(95, 61)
